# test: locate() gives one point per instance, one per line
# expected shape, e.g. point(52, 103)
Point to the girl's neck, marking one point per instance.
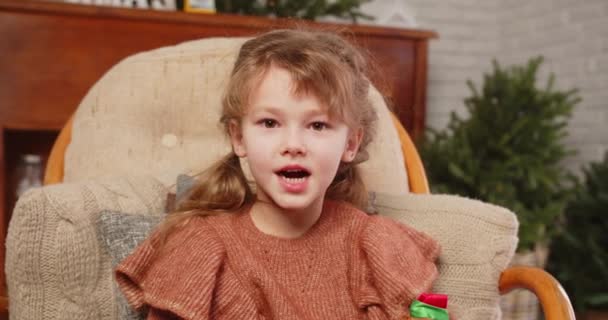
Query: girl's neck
point(276, 221)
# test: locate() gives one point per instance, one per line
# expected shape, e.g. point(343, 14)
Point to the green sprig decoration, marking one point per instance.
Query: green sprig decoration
point(310, 10)
point(579, 255)
point(508, 151)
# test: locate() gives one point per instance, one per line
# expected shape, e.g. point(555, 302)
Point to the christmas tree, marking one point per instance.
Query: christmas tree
point(310, 9)
point(509, 150)
point(579, 255)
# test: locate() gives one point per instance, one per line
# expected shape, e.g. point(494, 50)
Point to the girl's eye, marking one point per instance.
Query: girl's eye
point(319, 126)
point(268, 123)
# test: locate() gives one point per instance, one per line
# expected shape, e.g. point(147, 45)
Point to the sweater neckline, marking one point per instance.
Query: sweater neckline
point(309, 239)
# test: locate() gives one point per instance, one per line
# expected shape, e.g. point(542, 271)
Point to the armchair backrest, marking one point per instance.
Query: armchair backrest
point(157, 112)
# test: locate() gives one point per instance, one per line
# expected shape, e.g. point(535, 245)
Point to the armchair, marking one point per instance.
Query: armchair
point(157, 113)
point(554, 300)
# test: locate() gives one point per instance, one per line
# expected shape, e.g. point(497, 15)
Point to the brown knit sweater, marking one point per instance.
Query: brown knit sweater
point(347, 266)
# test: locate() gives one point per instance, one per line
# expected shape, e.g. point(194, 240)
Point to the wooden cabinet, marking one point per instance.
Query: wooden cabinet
point(52, 53)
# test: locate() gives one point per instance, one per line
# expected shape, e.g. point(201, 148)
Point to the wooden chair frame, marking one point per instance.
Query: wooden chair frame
point(553, 299)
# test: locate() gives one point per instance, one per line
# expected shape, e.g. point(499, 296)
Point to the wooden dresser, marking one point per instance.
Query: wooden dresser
point(52, 53)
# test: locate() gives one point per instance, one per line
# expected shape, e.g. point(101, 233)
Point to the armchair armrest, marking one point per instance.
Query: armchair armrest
point(553, 299)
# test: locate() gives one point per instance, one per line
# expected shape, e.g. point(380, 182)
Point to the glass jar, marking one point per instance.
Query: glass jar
point(31, 173)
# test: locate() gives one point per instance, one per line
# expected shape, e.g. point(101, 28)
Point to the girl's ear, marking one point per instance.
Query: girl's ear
point(352, 145)
point(236, 138)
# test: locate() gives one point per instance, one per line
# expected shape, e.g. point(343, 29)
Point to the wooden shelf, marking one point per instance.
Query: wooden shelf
point(52, 53)
point(17, 143)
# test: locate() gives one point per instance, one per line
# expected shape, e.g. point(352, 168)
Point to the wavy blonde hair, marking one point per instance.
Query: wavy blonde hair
point(320, 63)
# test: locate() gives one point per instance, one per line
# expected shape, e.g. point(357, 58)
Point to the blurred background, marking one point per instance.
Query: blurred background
point(516, 114)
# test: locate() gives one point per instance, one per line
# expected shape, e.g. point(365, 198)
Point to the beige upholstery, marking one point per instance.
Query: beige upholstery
point(158, 111)
point(478, 241)
point(56, 269)
point(54, 265)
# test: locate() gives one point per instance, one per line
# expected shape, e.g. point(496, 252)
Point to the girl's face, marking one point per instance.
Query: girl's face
point(292, 146)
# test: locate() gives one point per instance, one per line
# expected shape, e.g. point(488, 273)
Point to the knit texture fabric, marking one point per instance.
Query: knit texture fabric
point(347, 266)
point(119, 234)
point(55, 266)
point(478, 241)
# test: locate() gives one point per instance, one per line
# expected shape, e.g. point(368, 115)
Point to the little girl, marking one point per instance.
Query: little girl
point(297, 245)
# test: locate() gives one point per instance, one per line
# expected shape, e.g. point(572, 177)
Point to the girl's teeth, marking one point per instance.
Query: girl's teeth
point(294, 180)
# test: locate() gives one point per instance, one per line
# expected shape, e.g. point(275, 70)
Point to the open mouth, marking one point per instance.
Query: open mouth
point(293, 178)
point(294, 175)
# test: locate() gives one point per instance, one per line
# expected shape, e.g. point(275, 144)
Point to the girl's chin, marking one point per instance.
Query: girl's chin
point(293, 205)
point(294, 202)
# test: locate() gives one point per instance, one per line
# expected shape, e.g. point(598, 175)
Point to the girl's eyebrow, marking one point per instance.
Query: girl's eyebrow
point(317, 112)
point(278, 111)
point(269, 109)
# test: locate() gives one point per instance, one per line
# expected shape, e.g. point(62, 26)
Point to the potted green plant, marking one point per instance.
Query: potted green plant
point(304, 9)
point(579, 254)
point(509, 151)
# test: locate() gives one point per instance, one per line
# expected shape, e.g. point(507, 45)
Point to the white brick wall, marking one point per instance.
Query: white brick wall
point(573, 38)
point(571, 35)
point(467, 31)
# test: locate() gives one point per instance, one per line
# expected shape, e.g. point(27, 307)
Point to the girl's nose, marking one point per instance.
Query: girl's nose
point(293, 144)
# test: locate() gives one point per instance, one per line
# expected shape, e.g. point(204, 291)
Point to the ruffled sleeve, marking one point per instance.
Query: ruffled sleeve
point(181, 279)
point(397, 264)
